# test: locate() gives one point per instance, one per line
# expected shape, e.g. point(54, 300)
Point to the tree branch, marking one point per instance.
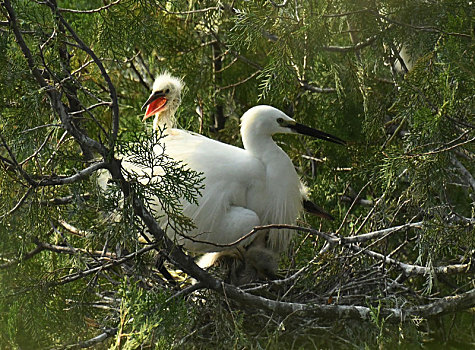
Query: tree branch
point(80, 175)
point(98, 62)
point(99, 9)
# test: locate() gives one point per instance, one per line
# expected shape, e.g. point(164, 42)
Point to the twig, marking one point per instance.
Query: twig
point(19, 204)
point(356, 47)
point(65, 200)
point(409, 269)
point(463, 171)
point(38, 150)
point(41, 126)
point(278, 5)
point(109, 332)
point(25, 257)
point(429, 29)
point(83, 273)
point(191, 289)
point(306, 86)
point(112, 91)
point(99, 9)
point(80, 175)
point(207, 9)
point(52, 93)
point(239, 82)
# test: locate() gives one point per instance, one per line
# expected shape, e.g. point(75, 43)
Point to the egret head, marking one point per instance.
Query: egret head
point(165, 98)
point(267, 121)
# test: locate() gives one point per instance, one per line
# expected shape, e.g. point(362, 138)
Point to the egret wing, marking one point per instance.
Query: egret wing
point(230, 174)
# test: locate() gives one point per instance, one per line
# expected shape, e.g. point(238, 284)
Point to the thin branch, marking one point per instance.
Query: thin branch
point(37, 151)
point(105, 75)
point(207, 9)
point(109, 332)
point(441, 150)
point(41, 126)
point(356, 47)
point(442, 306)
point(191, 289)
point(360, 201)
point(91, 107)
point(344, 14)
point(25, 257)
point(80, 175)
point(99, 9)
point(65, 200)
point(239, 82)
point(106, 266)
point(52, 93)
point(463, 171)
point(74, 230)
point(306, 86)
point(353, 202)
point(278, 5)
point(376, 234)
point(409, 269)
point(19, 204)
point(16, 165)
point(429, 29)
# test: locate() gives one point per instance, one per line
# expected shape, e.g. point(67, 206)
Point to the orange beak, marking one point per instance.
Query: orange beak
point(154, 107)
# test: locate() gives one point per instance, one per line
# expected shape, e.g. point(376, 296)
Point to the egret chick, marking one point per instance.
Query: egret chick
point(243, 188)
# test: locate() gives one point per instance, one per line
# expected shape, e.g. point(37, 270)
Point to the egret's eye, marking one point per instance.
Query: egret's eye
point(167, 91)
point(280, 120)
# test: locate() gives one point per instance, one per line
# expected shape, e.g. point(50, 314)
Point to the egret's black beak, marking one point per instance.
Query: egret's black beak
point(305, 130)
point(153, 97)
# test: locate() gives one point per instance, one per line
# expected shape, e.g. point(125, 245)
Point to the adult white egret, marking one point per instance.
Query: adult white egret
point(244, 188)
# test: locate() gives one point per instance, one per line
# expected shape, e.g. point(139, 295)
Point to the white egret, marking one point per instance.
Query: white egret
point(244, 188)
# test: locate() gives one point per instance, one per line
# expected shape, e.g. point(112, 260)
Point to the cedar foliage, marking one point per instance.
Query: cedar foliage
point(335, 65)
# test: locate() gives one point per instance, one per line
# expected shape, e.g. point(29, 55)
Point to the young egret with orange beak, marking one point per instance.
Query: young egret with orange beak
point(244, 188)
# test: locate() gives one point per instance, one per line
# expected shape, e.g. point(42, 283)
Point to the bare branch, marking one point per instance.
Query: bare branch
point(278, 5)
point(65, 200)
point(409, 269)
point(52, 92)
point(109, 332)
point(105, 75)
point(308, 87)
point(442, 306)
point(38, 150)
point(19, 204)
point(380, 233)
point(25, 257)
point(41, 126)
point(80, 175)
point(15, 163)
point(239, 82)
point(99, 9)
point(344, 14)
point(204, 10)
point(463, 171)
point(102, 267)
point(429, 29)
point(356, 47)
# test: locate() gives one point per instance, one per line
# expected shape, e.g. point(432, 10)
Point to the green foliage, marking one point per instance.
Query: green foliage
point(410, 153)
point(170, 181)
point(149, 319)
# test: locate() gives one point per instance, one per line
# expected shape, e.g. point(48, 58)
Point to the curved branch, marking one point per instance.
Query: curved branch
point(80, 175)
point(351, 48)
point(112, 91)
point(99, 9)
point(52, 93)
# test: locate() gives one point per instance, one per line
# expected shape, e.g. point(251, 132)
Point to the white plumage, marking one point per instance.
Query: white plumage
point(244, 188)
